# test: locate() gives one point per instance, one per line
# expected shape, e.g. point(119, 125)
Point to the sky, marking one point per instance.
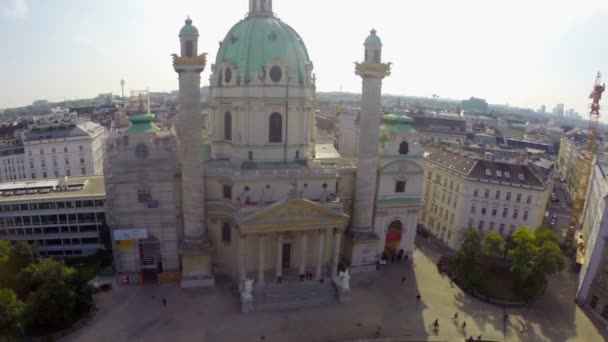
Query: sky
point(522, 52)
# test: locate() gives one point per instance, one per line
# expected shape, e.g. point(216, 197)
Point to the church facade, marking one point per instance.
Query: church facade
point(258, 200)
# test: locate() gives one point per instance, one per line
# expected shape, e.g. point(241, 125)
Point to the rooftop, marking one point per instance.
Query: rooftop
point(52, 189)
point(490, 170)
point(61, 130)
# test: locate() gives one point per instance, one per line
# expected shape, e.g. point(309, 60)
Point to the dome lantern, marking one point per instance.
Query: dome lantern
point(260, 7)
point(188, 37)
point(373, 48)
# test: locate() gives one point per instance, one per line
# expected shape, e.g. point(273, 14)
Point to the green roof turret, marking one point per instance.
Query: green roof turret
point(188, 29)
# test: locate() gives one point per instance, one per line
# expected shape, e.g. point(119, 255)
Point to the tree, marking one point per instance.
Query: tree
point(11, 311)
point(22, 255)
point(522, 255)
point(544, 234)
point(493, 244)
point(51, 307)
point(466, 261)
point(549, 259)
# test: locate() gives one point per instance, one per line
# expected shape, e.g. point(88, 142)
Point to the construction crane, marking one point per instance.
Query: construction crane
point(588, 156)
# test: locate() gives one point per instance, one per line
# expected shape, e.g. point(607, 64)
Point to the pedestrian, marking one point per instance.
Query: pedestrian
point(464, 325)
point(456, 316)
point(418, 299)
point(479, 338)
point(164, 300)
point(403, 280)
point(377, 331)
point(436, 323)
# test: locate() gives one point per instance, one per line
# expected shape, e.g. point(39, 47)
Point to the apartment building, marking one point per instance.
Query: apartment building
point(461, 191)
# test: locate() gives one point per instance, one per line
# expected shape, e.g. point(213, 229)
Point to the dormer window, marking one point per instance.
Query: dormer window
point(276, 74)
point(404, 148)
point(228, 75)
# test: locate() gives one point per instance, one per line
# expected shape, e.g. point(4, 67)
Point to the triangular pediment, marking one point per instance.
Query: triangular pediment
point(294, 210)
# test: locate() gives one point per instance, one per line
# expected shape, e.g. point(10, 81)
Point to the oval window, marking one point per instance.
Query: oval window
point(227, 75)
point(276, 74)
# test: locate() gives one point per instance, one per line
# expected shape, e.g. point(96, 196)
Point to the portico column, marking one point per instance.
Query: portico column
point(337, 240)
point(261, 252)
point(242, 272)
point(321, 249)
point(303, 252)
point(279, 255)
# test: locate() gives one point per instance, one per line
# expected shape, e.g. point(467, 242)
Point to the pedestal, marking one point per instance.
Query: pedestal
point(196, 265)
point(360, 250)
point(247, 304)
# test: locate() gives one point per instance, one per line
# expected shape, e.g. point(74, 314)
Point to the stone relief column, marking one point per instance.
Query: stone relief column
point(261, 252)
point(242, 270)
point(321, 248)
point(336, 257)
point(279, 255)
point(303, 252)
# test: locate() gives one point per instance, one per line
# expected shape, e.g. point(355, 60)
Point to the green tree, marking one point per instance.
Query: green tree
point(11, 311)
point(544, 234)
point(52, 306)
point(493, 244)
point(549, 259)
point(22, 255)
point(524, 252)
point(466, 260)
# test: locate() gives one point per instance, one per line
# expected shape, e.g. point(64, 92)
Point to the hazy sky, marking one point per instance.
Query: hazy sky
point(525, 53)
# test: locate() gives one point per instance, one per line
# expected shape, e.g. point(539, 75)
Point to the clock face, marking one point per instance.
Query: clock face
point(276, 74)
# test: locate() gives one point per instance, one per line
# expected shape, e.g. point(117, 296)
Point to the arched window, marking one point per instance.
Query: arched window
point(377, 56)
point(404, 148)
point(227, 126)
point(275, 128)
point(189, 49)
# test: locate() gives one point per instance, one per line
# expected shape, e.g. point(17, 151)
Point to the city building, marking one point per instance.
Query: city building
point(258, 197)
point(592, 291)
point(462, 191)
point(65, 216)
point(558, 110)
point(63, 148)
point(12, 160)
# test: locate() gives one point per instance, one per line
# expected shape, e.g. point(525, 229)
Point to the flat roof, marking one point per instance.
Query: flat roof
point(326, 151)
point(81, 186)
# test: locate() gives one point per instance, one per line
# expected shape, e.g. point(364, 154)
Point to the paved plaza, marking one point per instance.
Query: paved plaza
point(379, 300)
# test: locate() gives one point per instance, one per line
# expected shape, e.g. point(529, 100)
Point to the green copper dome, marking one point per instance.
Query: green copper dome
point(188, 29)
point(373, 39)
point(398, 123)
point(142, 123)
point(256, 40)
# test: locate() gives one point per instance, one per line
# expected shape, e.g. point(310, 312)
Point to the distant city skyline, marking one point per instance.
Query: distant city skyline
point(521, 53)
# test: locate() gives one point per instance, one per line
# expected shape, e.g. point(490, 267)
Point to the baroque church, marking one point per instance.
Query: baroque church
point(250, 195)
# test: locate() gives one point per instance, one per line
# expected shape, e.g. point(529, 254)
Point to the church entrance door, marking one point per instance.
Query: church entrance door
point(286, 257)
point(392, 242)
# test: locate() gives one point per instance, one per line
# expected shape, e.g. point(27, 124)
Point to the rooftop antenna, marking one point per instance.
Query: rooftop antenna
point(149, 101)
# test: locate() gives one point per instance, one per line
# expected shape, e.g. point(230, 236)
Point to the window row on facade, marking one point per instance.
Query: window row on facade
point(87, 228)
point(54, 150)
point(41, 220)
point(52, 205)
point(505, 212)
point(498, 196)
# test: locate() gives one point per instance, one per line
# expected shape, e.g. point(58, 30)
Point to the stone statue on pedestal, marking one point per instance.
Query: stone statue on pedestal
point(344, 278)
point(248, 288)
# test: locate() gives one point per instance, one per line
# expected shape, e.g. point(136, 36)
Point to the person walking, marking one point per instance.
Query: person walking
point(456, 316)
point(403, 280)
point(164, 300)
point(436, 323)
point(464, 325)
point(418, 299)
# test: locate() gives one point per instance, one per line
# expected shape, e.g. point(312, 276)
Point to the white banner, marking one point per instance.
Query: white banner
point(130, 234)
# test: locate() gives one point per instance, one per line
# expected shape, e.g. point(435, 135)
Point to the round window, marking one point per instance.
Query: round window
point(227, 75)
point(276, 74)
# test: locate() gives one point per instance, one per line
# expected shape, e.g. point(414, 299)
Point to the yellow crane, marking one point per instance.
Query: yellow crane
point(588, 156)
